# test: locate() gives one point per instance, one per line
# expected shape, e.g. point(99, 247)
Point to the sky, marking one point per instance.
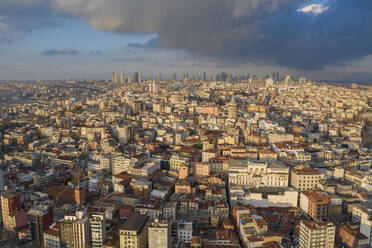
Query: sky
point(71, 39)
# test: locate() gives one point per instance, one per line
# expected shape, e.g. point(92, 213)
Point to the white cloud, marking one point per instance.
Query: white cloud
point(315, 9)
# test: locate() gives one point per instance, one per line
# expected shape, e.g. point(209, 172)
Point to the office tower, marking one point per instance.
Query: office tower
point(248, 76)
point(137, 77)
point(98, 229)
point(174, 76)
point(204, 76)
point(133, 233)
point(159, 234)
point(277, 78)
point(122, 78)
point(114, 77)
point(10, 203)
point(233, 109)
point(199, 76)
point(317, 234)
point(159, 76)
point(40, 218)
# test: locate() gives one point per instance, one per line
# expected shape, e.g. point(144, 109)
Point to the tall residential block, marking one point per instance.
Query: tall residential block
point(317, 234)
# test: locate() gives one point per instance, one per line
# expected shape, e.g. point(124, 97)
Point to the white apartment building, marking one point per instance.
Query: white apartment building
point(264, 197)
point(317, 234)
point(258, 174)
point(97, 229)
point(121, 163)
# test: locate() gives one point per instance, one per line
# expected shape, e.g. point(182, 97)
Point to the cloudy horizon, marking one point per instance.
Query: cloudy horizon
point(62, 39)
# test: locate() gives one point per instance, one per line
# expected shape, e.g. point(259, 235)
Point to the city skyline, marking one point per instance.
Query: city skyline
point(320, 40)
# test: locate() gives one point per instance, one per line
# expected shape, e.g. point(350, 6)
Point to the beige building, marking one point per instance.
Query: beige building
point(52, 237)
point(159, 234)
point(258, 174)
point(176, 161)
point(133, 233)
point(303, 178)
point(315, 204)
point(10, 204)
point(317, 234)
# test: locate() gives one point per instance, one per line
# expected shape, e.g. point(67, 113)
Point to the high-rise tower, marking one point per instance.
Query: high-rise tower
point(114, 77)
point(122, 78)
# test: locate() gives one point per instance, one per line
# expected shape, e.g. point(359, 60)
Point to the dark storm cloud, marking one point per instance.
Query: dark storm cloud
point(243, 31)
point(20, 16)
point(60, 51)
point(270, 32)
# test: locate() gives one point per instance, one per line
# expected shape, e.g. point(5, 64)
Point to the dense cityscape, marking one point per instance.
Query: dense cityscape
point(226, 161)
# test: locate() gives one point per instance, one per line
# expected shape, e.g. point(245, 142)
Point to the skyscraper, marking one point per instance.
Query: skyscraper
point(174, 76)
point(114, 77)
point(137, 77)
point(159, 76)
point(204, 76)
point(122, 78)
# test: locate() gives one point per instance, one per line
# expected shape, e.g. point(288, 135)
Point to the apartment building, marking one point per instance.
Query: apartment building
point(317, 234)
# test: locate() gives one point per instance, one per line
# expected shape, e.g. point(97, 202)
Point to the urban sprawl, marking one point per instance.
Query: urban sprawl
point(225, 162)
